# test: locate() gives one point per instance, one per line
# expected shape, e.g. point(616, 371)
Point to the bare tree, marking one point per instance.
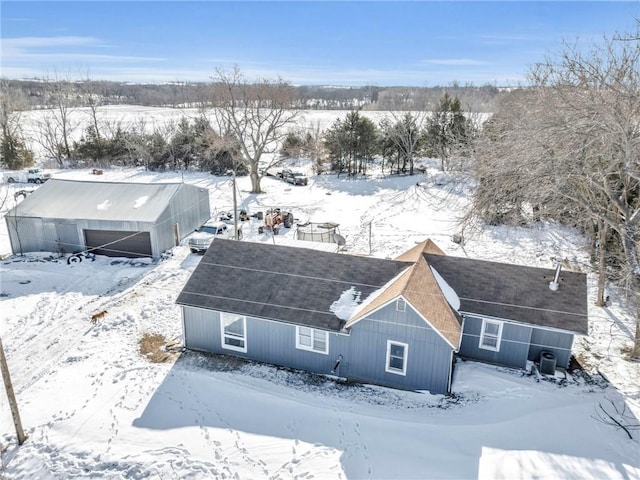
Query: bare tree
point(314, 145)
point(94, 99)
point(569, 149)
point(598, 92)
point(61, 103)
point(257, 114)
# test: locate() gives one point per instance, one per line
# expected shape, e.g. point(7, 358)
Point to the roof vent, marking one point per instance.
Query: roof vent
point(554, 284)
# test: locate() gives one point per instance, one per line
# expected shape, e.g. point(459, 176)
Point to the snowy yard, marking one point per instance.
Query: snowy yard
point(95, 407)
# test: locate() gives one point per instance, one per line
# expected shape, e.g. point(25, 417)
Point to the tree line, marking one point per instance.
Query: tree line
point(35, 94)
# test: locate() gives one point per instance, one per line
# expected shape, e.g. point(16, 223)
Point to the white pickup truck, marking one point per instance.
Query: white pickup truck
point(32, 175)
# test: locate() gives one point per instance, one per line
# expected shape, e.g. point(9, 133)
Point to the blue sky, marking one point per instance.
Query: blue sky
point(307, 43)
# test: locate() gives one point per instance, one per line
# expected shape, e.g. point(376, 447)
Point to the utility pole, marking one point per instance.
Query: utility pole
point(11, 396)
point(235, 208)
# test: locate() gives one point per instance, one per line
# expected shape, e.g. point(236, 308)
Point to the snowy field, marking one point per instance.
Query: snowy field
point(94, 406)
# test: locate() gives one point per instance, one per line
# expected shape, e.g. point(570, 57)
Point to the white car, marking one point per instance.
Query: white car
point(202, 238)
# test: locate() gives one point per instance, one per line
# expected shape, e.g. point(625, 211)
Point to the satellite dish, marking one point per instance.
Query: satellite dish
point(339, 239)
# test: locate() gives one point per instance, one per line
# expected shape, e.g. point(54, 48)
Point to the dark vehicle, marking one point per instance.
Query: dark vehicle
point(296, 178)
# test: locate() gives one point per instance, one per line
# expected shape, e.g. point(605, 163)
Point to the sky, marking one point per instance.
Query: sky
point(306, 43)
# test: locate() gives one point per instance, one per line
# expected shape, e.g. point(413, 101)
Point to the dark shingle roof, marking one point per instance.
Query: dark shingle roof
point(295, 285)
point(515, 292)
point(299, 286)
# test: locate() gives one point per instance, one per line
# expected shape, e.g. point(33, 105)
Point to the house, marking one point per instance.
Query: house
point(398, 323)
point(114, 219)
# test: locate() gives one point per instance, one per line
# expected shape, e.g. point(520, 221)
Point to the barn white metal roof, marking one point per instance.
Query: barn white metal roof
point(72, 199)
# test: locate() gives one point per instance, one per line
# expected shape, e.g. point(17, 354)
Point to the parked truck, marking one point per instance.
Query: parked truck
point(32, 175)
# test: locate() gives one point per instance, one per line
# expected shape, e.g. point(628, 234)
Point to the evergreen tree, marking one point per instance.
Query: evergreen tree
point(352, 143)
point(449, 131)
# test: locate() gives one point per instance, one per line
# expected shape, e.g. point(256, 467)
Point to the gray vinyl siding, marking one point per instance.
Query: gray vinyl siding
point(519, 343)
point(428, 357)
point(201, 329)
point(364, 350)
point(560, 343)
point(266, 341)
point(514, 346)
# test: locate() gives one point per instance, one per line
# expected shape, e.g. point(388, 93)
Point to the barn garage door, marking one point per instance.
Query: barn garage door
point(114, 243)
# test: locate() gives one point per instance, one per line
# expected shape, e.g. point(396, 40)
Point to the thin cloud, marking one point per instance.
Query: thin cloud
point(432, 74)
point(61, 50)
point(513, 38)
point(466, 62)
point(47, 42)
point(87, 57)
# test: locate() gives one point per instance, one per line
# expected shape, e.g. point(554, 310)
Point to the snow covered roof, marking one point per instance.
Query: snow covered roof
point(72, 199)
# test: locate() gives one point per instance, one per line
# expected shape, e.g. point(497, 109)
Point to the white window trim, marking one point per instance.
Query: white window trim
point(387, 368)
point(223, 335)
point(486, 321)
point(314, 332)
point(401, 305)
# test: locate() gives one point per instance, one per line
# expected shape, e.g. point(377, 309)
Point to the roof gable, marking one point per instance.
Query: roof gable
point(413, 254)
point(418, 286)
point(71, 199)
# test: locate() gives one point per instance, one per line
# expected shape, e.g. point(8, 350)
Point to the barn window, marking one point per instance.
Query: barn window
point(491, 335)
point(234, 332)
point(401, 305)
point(312, 339)
point(397, 357)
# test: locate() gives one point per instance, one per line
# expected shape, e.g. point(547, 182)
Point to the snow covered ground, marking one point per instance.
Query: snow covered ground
point(94, 406)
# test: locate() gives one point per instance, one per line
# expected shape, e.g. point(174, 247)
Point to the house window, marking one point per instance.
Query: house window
point(234, 332)
point(491, 335)
point(401, 305)
point(397, 357)
point(312, 339)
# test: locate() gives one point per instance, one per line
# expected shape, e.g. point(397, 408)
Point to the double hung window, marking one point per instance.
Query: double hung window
point(312, 339)
point(233, 332)
point(491, 335)
point(397, 357)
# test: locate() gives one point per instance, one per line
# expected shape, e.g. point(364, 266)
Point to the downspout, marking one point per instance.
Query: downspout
point(450, 372)
point(454, 352)
point(184, 330)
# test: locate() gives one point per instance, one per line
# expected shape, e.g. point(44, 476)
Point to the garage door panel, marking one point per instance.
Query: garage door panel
point(115, 243)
